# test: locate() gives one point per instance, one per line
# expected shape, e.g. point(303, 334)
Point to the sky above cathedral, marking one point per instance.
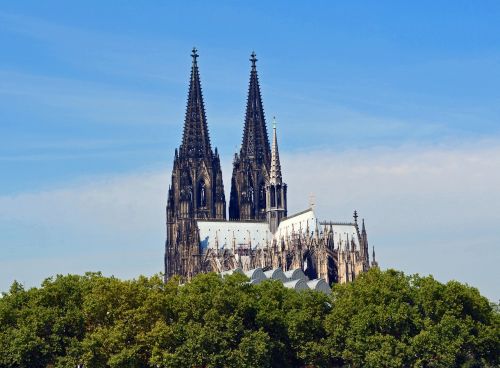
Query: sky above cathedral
point(389, 108)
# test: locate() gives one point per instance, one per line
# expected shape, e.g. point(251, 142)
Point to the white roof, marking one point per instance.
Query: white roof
point(344, 232)
point(258, 234)
point(319, 285)
point(241, 233)
point(297, 223)
point(296, 285)
point(300, 221)
point(256, 275)
point(230, 272)
point(276, 274)
point(296, 274)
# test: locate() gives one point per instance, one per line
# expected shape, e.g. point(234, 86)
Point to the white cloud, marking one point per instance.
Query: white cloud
point(427, 209)
point(111, 224)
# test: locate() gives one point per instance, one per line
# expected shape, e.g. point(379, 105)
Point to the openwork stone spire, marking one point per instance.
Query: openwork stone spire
point(255, 143)
point(195, 138)
point(275, 159)
point(196, 191)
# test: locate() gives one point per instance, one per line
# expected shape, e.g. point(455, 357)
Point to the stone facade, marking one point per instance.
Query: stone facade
point(258, 234)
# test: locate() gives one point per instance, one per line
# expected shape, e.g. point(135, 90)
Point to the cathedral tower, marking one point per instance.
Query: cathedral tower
point(197, 190)
point(276, 189)
point(251, 167)
point(260, 234)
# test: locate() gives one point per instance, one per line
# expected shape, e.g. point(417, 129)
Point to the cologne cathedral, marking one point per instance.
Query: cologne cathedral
point(259, 232)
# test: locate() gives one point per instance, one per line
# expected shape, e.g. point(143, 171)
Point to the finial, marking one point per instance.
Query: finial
point(274, 122)
point(253, 58)
point(312, 201)
point(194, 55)
point(355, 216)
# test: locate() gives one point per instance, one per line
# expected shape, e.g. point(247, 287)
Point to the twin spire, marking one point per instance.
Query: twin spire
point(257, 190)
point(255, 144)
point(195, 138)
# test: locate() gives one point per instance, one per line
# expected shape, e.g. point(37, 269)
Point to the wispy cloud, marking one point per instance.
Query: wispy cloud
point(99, 223)
point(118, 54)
point(428, 210)
point(82, 100)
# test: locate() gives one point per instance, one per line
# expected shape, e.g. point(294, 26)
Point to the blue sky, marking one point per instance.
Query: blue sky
point(392, 107)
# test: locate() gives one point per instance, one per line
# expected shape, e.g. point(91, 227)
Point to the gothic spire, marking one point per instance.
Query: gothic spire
point(364, 242)
point(275, 159)
point(255, 141)
point(195, 138)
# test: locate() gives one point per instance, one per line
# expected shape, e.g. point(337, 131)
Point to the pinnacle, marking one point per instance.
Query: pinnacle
point(275, 158)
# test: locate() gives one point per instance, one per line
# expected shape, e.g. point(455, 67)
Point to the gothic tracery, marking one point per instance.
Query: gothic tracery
point(259, 232)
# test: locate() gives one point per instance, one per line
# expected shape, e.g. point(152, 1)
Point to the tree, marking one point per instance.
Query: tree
point(382, 319)
point(392, 320)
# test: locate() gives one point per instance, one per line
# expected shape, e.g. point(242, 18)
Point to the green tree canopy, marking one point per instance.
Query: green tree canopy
point(383, 319)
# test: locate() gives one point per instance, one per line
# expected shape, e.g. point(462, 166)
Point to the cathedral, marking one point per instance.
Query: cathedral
point(258, 232)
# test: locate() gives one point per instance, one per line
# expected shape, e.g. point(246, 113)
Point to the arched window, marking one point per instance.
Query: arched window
point(186, 188)
point(272, 188)
point(278, 196)
point(202, 194)
point(262, 196)
point(251, 194)
point(309, 266)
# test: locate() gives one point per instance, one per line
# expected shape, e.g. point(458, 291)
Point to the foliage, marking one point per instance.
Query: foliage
point(383, 319)
point(392, 320)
